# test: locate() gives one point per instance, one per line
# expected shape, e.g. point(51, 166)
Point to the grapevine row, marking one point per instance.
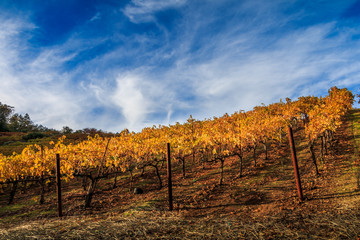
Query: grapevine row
point(214, 140)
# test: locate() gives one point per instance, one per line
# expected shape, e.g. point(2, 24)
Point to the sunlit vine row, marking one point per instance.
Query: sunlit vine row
point(214, 140)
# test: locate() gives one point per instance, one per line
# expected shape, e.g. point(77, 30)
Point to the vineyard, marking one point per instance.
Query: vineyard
point(232, 147)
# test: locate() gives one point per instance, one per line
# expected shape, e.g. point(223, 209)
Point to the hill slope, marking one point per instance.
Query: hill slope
point(261, 205)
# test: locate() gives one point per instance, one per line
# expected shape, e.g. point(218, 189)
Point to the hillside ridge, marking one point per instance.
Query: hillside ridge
point(261, 205)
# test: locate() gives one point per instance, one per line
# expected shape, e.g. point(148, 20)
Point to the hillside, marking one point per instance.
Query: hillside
point(11, 142)
point(261, 205)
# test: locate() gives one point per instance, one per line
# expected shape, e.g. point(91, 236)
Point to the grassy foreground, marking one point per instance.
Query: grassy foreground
point(165, 225)
point(261, 205)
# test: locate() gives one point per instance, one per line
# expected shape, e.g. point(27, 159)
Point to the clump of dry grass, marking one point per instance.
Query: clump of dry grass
point(174, 225)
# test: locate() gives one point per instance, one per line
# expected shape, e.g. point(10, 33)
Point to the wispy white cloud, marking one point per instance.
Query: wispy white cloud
point(129, 97)
point(97, 16)
point(32, 85)
point(249, 68)
point(236, 69)
point(142, 10)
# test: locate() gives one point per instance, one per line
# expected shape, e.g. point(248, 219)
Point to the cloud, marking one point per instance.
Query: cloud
point(97, 16)
point(240, 67)
point(139, 11)
point(31, 84)
point(143, 99)
point(132, 101)
point(238, 70)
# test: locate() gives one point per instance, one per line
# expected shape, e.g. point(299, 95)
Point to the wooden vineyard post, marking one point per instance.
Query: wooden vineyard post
point(296, 168)
point(58, 184)
point(169, 177)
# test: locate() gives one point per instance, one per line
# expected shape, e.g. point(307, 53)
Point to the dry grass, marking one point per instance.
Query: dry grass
point(165, 225)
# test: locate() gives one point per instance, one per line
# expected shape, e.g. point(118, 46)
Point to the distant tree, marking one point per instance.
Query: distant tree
point(14, 123)
point(41, 128)
point(27, 123)
point(92, 131)
point(5, 113)
point(66, 130)
point(20, 123)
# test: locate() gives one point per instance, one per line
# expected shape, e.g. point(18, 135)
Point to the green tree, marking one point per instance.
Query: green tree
point(20, 123)
point(66, 130)
point(5, 113)
point(14, 123)
point(26, 123)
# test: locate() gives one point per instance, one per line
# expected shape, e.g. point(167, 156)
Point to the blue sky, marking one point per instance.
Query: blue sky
point(129, 64)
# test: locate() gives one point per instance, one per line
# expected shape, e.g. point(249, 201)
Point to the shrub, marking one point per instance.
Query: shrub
point(33, 135)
